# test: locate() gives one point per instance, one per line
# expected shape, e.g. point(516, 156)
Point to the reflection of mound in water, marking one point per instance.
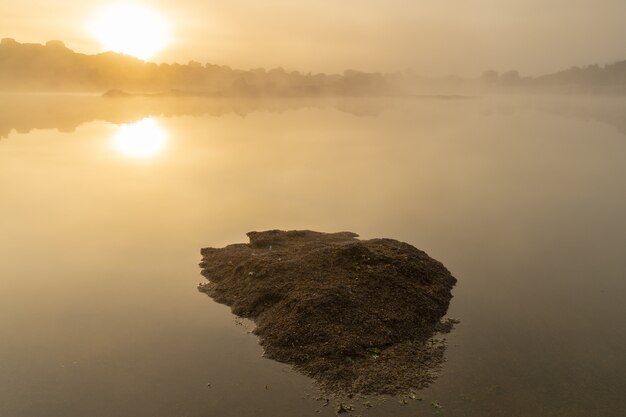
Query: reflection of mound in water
point(358, 316)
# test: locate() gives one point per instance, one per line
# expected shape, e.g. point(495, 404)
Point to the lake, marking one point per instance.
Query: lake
point(105, 204)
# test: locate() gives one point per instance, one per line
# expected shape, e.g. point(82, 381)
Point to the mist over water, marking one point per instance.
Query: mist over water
point(519, 197)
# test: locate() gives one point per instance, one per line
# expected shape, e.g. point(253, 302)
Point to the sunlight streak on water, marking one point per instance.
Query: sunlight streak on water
point(142, 139)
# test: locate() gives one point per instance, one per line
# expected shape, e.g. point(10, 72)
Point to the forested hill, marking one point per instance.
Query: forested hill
point(593, 79)
point(54, 67)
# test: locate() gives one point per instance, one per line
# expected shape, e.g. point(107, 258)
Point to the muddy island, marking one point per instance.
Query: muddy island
point(358, 316)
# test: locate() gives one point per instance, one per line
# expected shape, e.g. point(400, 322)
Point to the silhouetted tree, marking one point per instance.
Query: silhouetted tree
point(511, 78)
point(490, 77)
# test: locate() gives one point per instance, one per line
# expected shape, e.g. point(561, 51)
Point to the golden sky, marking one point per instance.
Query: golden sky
point(434, 37)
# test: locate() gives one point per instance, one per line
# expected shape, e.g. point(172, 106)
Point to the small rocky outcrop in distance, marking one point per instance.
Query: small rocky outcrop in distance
point(356, 315)
point(115, 93)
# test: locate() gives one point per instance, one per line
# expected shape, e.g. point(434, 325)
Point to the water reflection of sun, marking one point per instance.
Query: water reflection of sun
point(142, 139)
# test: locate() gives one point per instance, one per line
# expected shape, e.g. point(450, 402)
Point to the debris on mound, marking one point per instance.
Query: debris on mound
point(356, 315)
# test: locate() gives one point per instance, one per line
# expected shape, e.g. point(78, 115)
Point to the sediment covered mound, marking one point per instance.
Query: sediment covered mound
point(356, 315)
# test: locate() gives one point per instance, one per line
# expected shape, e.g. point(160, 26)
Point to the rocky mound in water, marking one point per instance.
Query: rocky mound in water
point(356, 315)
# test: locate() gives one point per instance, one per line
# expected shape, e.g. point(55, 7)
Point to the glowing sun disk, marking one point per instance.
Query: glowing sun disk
point(131, 29)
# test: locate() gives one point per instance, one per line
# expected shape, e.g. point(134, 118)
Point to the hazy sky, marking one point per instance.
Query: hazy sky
point(431, 36)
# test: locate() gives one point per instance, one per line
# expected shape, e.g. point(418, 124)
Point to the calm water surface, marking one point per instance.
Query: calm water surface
point(104, 206)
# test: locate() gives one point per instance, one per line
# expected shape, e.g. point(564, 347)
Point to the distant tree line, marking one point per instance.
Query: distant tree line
point(609, 79)
point(54, 67)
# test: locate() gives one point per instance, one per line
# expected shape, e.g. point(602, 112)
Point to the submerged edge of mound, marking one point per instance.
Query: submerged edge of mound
point(356, 315)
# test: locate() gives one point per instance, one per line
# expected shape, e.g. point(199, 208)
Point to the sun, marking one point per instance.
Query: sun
point(132, 29)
